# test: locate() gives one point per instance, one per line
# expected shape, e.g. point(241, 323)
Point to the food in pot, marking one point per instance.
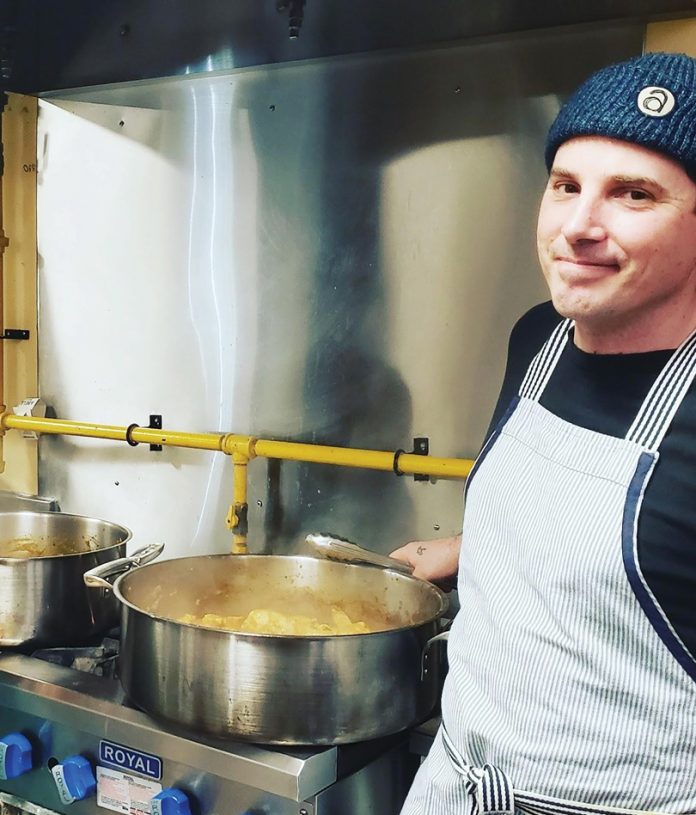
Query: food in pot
point(29, 546)
point(267, 621)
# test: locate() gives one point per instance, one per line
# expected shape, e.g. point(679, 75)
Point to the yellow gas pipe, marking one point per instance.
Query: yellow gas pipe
point(238, 514)
point(242, 449)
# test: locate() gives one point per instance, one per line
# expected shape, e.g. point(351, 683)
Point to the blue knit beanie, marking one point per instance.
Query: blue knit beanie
point(648, 100)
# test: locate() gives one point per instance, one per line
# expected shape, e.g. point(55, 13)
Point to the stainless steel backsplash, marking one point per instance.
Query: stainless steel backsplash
point(330, 251)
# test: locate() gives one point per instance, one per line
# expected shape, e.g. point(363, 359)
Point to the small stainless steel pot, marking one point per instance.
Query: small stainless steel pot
point(43, 599)
point(277, 689)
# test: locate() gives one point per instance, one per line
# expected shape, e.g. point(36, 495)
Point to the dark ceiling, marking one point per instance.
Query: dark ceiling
point(51, 44)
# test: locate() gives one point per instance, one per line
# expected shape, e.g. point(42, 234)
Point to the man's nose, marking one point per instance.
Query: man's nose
point(584, 220)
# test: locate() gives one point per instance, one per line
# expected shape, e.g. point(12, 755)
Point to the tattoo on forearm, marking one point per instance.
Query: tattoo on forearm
point(420, 550)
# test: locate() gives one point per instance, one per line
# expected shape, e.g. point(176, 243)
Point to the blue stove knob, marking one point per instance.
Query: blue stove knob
point(74, 779)
point(15, 756)
point(170, 801)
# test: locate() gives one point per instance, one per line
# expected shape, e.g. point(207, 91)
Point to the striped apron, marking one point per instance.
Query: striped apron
point(568, 691)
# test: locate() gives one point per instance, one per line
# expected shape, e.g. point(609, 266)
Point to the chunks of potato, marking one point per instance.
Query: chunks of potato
point(268, 621)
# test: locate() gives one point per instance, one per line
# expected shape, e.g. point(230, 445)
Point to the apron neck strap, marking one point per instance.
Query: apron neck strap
point(662, 402)
point(541, 367)
point(663, 399)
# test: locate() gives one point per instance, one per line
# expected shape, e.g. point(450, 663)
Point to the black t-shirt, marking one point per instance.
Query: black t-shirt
point(604, 393)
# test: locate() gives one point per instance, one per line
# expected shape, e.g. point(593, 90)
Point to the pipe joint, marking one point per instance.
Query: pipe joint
point(244, 446)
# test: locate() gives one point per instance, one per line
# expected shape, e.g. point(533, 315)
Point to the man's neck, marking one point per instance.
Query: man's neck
point(634, 339)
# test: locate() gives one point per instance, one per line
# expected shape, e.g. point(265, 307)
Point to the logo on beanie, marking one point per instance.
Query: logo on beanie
point(654, 101)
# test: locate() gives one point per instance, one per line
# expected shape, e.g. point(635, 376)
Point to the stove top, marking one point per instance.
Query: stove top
point(90, 703)
point(100, 659)
point(66, 707)
point(68, 703)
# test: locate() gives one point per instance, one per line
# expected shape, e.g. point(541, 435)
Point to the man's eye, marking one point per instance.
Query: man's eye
point(637, 195)
point(566, 188)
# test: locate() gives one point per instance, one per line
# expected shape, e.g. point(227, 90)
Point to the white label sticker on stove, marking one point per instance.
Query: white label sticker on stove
point(125, 758)
point(59, 778)
point(124, 793)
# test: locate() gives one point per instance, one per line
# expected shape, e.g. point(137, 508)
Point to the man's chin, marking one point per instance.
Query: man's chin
point(574, 305)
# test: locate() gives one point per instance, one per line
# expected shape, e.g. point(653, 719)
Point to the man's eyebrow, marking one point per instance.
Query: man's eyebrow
point(560, 172)
point(639, 181)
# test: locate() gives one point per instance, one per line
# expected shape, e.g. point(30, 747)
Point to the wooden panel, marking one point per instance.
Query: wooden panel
point(678, 36)
point(20, 358)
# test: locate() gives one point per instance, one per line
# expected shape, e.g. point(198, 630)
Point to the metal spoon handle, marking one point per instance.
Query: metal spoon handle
point(333, 548)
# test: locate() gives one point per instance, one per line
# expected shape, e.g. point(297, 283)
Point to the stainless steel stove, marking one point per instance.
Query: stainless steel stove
point(79, 747)
point(71, 743)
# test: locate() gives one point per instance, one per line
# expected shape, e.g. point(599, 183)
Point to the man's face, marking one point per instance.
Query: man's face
point(617, 243)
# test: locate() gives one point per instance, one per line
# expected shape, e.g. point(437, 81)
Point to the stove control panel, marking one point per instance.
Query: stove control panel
point(170, 801)
point(74, 779)
point(15, 756)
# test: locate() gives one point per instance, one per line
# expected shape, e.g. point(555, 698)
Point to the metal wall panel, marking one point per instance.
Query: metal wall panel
point(49, 44)
point(331, 251)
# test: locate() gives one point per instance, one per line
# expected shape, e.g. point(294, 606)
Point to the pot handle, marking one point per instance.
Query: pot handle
point(96, 578)
point(333, 548)
point(425, 656)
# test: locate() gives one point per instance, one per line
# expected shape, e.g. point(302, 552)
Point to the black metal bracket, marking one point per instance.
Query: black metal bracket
point(421, 447)
point(15, 334)
point(155, 424)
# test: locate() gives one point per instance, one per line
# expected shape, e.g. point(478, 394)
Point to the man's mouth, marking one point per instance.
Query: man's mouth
point(586, 266)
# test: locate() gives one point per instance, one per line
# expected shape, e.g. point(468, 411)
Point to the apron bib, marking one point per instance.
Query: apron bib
point(568, 690)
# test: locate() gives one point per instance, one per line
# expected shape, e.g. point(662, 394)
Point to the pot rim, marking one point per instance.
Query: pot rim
point(8, 560)
point(438, 593)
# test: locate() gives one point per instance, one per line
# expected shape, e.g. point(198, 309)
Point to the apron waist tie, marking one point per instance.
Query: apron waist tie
point(493, 792)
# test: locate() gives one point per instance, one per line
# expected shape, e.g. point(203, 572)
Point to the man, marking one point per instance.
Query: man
point(572, 681)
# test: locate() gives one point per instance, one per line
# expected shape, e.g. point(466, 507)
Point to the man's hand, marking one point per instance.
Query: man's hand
point(433, 560)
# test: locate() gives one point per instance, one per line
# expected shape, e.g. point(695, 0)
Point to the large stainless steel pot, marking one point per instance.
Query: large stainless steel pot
point(278, 689)
point(43, 557)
